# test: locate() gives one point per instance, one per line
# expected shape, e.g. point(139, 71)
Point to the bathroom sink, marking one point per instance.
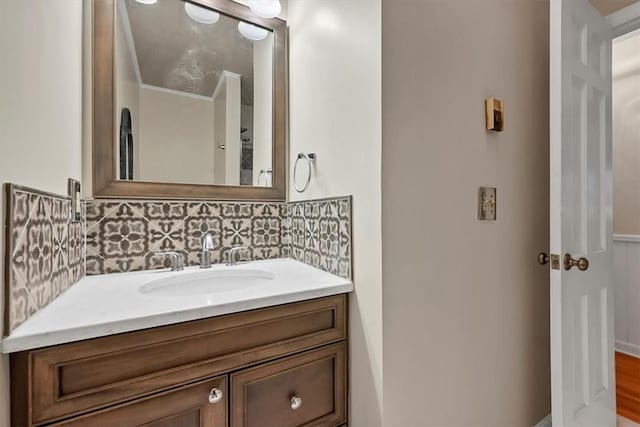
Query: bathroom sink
point(207, 282)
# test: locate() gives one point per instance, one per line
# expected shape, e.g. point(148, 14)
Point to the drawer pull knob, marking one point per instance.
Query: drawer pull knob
point(215, 395)
point(296, 403)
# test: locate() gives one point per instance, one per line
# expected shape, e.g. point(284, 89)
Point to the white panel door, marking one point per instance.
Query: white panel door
point(582, 318)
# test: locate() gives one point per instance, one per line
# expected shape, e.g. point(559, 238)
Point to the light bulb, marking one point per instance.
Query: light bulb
point(252, 32)
point(147, 1)
point(201, 14)
point(265, 8)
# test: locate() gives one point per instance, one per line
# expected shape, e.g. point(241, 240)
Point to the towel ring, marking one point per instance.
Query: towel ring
point(311, 159)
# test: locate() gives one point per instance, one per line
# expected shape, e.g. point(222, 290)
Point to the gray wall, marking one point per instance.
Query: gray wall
point(609, 6)
point(465, 304)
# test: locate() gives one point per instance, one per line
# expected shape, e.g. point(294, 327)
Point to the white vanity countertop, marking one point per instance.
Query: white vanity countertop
point(110, 304)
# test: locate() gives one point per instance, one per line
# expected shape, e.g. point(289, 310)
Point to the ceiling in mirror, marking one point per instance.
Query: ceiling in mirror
point(176, 51)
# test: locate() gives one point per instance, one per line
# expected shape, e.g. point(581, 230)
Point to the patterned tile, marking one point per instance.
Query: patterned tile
point(46, 251)
point(95, 264)
point(312, 209)
point(319, 234)
point(236, 232)
point(329, 237)
point(165, 211)
point(165, 234)
point(297, 226)
point(124, 235)
point(39, 244)
point(266, 231)
point(237, 210)
point(312, 240)
point(49, 254)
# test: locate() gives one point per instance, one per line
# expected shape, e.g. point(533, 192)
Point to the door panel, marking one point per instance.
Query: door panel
point(583, 392)
point(264, 396)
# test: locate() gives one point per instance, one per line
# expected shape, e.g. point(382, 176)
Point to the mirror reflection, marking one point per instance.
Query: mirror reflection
point(193, 95)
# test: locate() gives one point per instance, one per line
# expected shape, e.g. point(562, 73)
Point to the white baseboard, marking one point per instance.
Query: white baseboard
point(626, 348)
point(546, 422)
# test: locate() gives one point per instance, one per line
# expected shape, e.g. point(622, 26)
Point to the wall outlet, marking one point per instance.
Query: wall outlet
point(75, 193)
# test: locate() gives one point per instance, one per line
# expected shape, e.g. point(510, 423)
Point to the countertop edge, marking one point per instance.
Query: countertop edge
point(48, 339)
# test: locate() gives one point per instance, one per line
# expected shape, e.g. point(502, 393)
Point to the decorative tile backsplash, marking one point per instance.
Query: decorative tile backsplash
point(320, 234)
point(125, 235)
point(44, 252)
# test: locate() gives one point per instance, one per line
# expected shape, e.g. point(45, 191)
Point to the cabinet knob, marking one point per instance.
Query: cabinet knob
point(296, 403)
point(215, 395)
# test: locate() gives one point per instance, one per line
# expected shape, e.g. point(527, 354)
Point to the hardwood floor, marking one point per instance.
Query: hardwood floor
point(628, 386)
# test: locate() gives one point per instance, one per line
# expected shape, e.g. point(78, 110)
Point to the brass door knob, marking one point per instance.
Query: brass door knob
point(543, 258)
point(570, 262)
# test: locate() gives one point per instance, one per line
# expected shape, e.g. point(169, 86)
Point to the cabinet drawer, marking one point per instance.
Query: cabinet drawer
point(80, 377)
point(264, 396)
point(188, 406)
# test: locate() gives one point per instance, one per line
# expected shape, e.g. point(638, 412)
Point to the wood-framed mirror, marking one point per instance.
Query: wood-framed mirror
point(201, 85)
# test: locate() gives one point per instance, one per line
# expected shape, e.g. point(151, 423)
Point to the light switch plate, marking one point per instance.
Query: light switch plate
point(487, 203)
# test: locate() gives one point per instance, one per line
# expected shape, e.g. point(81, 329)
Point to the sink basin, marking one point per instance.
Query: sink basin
point(207, 282)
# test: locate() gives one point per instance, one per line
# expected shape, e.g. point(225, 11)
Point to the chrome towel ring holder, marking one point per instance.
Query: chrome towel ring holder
point(311, 160)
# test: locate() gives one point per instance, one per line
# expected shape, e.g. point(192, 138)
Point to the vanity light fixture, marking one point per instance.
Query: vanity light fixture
point(252, 32)
point(201, 14)
point(265, 8)
point(147, 1)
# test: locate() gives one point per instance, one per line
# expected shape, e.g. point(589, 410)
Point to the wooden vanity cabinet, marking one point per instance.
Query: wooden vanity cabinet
point(282, 366)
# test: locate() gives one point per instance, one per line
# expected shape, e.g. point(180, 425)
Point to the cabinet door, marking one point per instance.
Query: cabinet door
point(203, 404)
point(304, 390)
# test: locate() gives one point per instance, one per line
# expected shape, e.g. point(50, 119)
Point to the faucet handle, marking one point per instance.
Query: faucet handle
point(232, 254)
point(177, 260)
point(207, 242)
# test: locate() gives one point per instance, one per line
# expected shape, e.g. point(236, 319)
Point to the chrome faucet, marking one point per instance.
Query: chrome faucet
point(177, 260)
point(232, 259)
point(207, 247)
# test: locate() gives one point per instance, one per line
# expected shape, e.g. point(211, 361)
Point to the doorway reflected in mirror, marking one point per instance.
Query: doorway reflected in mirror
point(126, 145)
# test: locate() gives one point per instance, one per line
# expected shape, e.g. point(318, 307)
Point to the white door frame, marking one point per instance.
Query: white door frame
point(625, 20)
